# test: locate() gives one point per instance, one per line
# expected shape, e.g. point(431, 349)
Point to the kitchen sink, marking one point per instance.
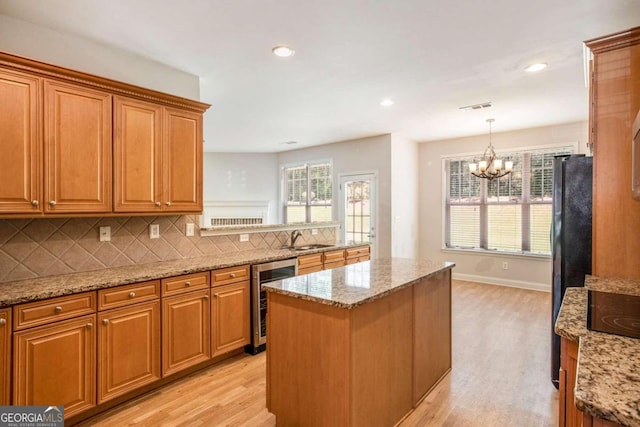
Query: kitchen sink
point(314, 246)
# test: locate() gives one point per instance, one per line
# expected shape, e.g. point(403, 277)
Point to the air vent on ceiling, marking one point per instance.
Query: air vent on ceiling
point(477, 106)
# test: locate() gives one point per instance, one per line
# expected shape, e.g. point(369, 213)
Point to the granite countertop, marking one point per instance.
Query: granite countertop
point(608, 373)
point(54, 286)
point(356, 284)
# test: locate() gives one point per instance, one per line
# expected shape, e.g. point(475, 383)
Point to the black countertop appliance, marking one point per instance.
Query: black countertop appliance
point(570, 235)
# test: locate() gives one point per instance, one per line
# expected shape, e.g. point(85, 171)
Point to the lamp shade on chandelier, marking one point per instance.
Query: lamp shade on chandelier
point(489, 166)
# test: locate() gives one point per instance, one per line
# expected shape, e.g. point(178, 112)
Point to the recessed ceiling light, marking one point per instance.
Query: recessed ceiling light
point(283, 51)
point(386, 102)
point(536, 67)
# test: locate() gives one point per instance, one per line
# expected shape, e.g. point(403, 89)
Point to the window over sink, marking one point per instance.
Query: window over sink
point(307, 192)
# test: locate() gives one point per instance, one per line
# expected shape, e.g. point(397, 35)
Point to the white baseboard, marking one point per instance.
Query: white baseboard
point(544, 287)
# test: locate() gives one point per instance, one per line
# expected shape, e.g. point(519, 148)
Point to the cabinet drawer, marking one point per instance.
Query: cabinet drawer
point(186, 283)
point(52, 310)
point(224, 276)
point(357, 252)
point(306, 261)
point(333, 256)
point(308, 270)
point(357, 259)
point(334, 264)
point(129, 294)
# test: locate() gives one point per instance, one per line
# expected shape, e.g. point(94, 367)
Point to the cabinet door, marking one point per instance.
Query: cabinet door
point(569, 365)
point(21, 146)
point(186, 331)
point(55, 365)
point(5, 356)
point(128, 349)
point(137, 154)
point(77, 135)
point(182, 161)
point(230, 319)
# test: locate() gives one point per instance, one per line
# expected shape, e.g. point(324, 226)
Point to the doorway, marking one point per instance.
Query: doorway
point(358, 209)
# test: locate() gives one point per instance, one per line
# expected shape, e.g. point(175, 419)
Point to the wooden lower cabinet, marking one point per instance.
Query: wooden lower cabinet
point(568, 414)
point(56, 365)
point(128, 349)
point(186, 331)
point(5, 356)
point(357, 254)
point(230, 315)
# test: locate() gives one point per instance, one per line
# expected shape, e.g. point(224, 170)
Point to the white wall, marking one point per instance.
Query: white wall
point(357, 156)
point(25, 39)
point(523, 271)
point(243, 177)
point(404, 196)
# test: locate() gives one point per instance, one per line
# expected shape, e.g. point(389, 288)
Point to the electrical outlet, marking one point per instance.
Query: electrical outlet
point(505, 265)
point(314, 231)
point(244, 237)
point(189, 229)
point(105, 234)
point(154, 231)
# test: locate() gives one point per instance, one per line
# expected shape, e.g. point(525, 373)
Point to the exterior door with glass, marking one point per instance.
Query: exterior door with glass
point(357, 213)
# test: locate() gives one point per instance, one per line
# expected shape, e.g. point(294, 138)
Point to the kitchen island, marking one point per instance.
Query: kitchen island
point(359, 345)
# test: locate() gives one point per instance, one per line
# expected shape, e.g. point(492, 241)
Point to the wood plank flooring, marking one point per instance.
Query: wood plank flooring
point(500, 375)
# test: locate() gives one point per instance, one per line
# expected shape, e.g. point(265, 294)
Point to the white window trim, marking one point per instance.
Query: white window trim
point(481, 251)
point(283, 201)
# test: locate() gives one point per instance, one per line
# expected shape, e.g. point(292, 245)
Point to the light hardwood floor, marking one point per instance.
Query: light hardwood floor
point(500, 375)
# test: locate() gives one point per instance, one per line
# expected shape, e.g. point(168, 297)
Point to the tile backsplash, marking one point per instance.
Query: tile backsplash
point(31, 248)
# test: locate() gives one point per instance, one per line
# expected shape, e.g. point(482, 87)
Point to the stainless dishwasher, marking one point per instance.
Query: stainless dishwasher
point(263, 273)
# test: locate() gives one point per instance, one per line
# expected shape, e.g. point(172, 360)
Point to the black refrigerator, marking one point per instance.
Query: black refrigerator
point(570, 235)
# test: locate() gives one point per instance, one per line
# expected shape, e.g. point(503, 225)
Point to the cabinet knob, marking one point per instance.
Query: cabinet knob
point(58, 309)
point(232, 275)
point(90, 325)
point(168, 203)
point(132, 294)
point(215, 295)
point(34, 203)
point(187, 283)
point(158, 204)
point(52, 203)
point(104, 322)
point(3, 322)
point(206, 297)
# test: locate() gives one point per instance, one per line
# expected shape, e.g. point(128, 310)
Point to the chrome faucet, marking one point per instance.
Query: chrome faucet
point(294, 236)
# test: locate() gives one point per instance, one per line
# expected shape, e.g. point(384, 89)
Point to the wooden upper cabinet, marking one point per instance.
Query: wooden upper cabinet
point(157, 158)
point(21, 146)
point(137, 150)
point(182, 161)
point(77, 134)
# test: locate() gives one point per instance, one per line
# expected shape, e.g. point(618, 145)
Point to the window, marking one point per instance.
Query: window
point(308, 193)
point(510, 214)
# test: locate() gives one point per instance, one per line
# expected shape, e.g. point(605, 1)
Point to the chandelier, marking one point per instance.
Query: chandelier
point(490, 167)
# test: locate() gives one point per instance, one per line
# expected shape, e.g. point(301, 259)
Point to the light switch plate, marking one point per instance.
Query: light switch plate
point(105, 234)
point(189, 229)
point(244, 237)
point(154, 231)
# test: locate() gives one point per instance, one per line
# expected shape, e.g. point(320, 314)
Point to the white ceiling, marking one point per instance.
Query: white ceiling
point(429, 56)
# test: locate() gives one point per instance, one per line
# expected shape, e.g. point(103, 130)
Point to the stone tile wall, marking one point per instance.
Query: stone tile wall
point(31, 248)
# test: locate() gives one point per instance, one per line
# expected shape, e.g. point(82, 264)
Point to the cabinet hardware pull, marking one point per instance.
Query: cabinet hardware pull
point(58, 309)
point(132, 294)
point(168, 203)
point(157, 204)
point(105, 321)
point(206, 297)
point(3, 322)
point(232, 275)
point(90, 325)
point(52, 203)
point(215, 295)
point(34, 203)
point(187, 283)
